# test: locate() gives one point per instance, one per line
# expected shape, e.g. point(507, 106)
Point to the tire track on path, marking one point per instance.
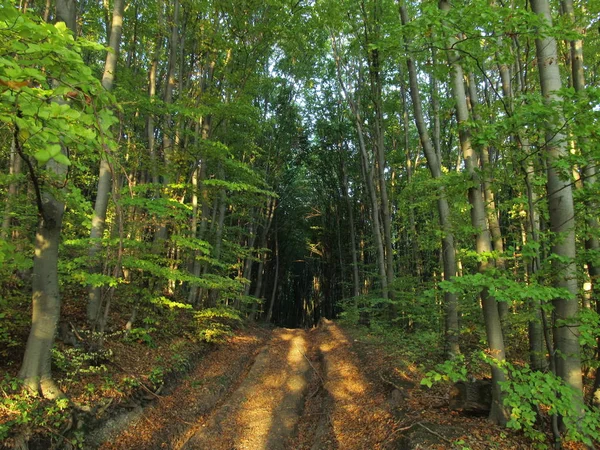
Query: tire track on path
point(264, 411)
point(300, 390)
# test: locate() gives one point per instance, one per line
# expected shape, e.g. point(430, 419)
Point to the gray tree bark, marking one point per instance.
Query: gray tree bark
point(105, 175)
point(532, 225)
point(13, 190)
point(355, 274)
point(36, 370)
point(435, 167)
point(488, 193)
point(368, 176)
point(483, 242)
point(269, 314)
point(561, 212)
point(592, 244)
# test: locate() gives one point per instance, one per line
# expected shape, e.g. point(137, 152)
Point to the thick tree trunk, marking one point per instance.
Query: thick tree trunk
point(561, 212)
point(36, 368)
point(105, 176)
point(434, 164)
point(483, 243)
point(592, 244)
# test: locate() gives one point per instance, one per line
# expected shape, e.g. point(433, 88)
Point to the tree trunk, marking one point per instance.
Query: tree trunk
point(258, 288)
point(105, 176)
point(200, 212)
point(367, 167)
point(36, 368)
point(483, 243)
point(168, 129)
point(592, 244)
point(434, 164)
point(414, 234)
point(488, 194)
point(13, 191)
point(379, 147)
point(561, 212)
point(218, 243)
point(355, 275)
point(269, 315)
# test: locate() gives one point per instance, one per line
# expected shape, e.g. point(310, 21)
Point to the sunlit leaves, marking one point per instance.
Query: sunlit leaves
point(47, 92)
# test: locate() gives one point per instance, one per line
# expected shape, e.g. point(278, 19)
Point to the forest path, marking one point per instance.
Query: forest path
point(294, 389)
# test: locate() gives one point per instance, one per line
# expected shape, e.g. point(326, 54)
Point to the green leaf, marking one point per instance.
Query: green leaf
point(54, 149)
point(42, 156)
point(61, 158)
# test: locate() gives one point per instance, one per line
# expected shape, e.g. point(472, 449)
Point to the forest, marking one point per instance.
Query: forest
point(423, 172)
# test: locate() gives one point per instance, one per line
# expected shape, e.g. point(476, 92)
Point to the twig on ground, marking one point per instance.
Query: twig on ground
point(390, 382)
point(141, 383)
point(433, 432)
point(311, 365)
point(399, 430)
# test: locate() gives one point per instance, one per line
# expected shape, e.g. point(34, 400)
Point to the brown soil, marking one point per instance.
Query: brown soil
point(305, 390)
point(300, 390)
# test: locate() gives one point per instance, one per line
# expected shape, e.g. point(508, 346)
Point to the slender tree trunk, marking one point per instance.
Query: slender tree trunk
point(368, 176)
point(483, 243)
point(13, 191)
point(435, 106)
point(152, 74)
point(196, 212)
point(561, 212)
point(355, 274)
point(201, 212)
point(488, 194)
point(535, 330)
point(258, 288)
point(218, 243)
point(269, 315)
point(384, 207)
point(105, 176)
point(168, 129)
point(249, 259)
point(434, 164)
point(414, 236)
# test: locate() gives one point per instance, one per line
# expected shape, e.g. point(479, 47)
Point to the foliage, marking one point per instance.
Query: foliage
point(75, 362)
point(41, 64)
point(530, 393)
point(26, 411)
point(143, 335)
point(215, 325)
point(450, 370)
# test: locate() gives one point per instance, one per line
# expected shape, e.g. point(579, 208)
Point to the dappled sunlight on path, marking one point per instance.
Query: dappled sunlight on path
point(359, 418)
point(264, 411)
point(287, 389)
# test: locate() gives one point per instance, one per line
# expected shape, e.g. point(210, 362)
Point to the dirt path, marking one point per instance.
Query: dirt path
point(297, 390)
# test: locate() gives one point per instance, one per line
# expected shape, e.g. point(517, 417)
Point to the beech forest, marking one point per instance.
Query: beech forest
point(200, 196)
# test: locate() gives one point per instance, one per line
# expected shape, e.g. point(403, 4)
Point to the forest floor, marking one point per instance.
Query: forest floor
point(325, 388)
